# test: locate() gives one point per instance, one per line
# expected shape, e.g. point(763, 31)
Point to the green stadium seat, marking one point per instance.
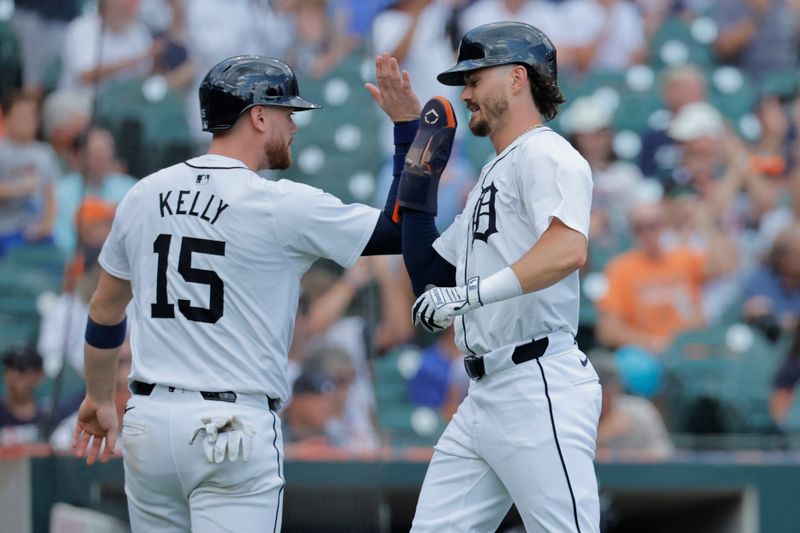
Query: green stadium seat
point(10, 60)
point(402, 423)
point(784, 84)
point(674, 43)
point(148, 121)
point(337, 149)
point(719, 380)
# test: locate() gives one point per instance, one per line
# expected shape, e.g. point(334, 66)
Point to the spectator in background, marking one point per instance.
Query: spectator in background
point(64, 322)
point(758, 36)
point(440, 381)
point(772, 295)
point(101, 177)
point(28, 171)
point(655, 293)
point(784, 385)
point(40, 27)
point(65, 119)
point(351, 425)
point(20, 414)
point(543, 14)
point(587, 123)
point(306, 419)
point(629, 425)
point(604, 34)
point(322, 40)
point(680, 85)
point(127, 48)
point(174, 62)
point(245, 27)
point(717, 166)
point(413, 31)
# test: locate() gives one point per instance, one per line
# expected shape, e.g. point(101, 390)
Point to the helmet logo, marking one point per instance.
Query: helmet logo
point(431, 117)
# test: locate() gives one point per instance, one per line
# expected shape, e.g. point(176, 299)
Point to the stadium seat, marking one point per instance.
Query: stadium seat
point(719, 380)
point(403, 424)
point(148, 122)
point(10, 59)
point(337, 148)
point(674, 43)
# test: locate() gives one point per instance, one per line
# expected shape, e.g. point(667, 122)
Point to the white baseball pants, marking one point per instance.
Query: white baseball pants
point(526, 434)
point(170, 485)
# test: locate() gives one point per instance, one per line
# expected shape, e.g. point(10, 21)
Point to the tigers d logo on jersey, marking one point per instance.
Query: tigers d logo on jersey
point(484, 217)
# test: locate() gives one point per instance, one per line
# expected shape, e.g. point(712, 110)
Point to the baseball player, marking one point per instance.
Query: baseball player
point(505, 272)
point(211, 255)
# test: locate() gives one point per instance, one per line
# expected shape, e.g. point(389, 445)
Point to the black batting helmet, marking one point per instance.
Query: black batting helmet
point(238, 83)
point(503, 43)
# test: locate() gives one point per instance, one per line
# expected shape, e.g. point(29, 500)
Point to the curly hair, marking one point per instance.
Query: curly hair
point(546, 94)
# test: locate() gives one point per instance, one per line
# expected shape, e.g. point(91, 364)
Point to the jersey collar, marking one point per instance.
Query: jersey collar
point(216, 161)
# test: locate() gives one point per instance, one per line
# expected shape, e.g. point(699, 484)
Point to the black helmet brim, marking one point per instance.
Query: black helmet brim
point(454, 76)
point(297, 103)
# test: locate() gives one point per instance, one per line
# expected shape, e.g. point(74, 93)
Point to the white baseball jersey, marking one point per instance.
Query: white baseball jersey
point(214, 254)
point(526, 433)
point(537, 177)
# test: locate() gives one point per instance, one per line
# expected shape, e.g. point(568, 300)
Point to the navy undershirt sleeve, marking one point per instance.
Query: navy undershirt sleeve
point(425, 266)
point(385, 238)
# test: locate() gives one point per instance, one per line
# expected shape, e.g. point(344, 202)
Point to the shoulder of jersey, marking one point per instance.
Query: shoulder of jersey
point(551, 145)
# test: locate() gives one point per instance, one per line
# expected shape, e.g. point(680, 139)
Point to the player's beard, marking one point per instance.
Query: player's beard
point(278, 154)
point(491, 112)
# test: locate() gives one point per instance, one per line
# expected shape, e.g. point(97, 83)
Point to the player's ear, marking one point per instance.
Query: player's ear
point(258, 118)
point(519, 78)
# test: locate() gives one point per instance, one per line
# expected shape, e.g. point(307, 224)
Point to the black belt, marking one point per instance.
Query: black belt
point(145, 389)
point(521, 354)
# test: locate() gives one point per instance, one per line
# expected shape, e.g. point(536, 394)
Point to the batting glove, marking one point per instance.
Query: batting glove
point(435, 309)
point(223, 435)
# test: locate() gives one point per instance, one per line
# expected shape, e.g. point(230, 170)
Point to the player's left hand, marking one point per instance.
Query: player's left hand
point(97, 424)
point(435, 309)
point(393, 92)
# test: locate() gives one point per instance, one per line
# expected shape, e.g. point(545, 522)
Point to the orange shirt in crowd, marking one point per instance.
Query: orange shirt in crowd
point(657, 297)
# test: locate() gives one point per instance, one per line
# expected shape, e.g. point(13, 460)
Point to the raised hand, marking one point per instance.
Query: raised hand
point(393, 92)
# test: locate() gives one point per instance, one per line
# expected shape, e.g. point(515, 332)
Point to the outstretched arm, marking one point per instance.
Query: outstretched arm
point(395, 96)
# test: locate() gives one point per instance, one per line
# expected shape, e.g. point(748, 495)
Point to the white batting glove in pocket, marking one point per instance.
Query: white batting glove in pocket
point(224, 435)
point(437, 307)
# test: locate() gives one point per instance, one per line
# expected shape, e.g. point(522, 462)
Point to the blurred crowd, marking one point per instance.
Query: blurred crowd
point(695, 228)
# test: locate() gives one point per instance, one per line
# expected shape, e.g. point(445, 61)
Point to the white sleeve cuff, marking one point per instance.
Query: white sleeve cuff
point(500, 286)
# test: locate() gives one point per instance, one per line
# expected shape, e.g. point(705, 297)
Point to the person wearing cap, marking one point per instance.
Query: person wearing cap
point(20, 413)
point(313, 405)
point(716, 165)
point(680, 85)
point(588, 125)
